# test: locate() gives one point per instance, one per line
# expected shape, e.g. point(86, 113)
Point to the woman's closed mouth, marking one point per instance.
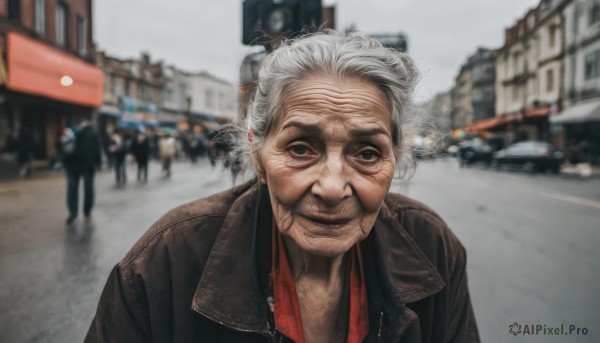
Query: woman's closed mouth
point(329, 221)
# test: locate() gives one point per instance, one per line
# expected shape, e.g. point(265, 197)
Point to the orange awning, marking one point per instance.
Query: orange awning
point(537, 112)
point(39, 69)
point(490, 123)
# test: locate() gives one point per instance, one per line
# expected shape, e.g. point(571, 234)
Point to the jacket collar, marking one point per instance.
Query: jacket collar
point(234, 274)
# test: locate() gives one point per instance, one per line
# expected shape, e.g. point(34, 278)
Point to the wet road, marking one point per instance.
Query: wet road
point(532, 245)
point(52, 276)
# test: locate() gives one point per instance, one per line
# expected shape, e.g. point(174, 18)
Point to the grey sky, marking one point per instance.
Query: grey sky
point(205, 35)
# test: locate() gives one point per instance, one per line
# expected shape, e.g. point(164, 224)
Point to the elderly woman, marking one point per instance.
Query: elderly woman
point(315, 248)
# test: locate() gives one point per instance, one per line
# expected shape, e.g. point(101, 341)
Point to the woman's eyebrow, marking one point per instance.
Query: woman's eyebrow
point(315, 129)
point(368, 132)
point(308, 128)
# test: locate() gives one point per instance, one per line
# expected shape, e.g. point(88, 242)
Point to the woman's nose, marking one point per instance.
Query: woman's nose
point(332, 185)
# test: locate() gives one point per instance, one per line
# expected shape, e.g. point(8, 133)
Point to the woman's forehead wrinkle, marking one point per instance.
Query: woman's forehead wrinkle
point(312, 98)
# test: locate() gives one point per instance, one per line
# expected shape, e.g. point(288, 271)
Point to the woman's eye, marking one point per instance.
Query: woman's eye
point(299, 150)
point(369, 155)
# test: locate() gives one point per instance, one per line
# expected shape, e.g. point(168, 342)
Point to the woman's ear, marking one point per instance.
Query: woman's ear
point(256, 158)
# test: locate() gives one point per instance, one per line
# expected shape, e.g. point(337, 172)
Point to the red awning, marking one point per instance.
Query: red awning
point(490, 123)
point(537, 112)
point(39, 69)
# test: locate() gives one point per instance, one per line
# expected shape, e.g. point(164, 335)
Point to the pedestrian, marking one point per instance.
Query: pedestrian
point(140, 148)
point(167, 148)
point(81, 160)
point(24, 145)
point(118, 151)
point(192, 143)
point(315, 248)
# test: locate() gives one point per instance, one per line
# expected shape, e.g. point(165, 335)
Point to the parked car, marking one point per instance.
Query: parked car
point(531, 156)
point(474, 150)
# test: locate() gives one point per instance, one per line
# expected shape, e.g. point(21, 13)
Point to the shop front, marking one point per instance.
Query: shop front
point(500, 131)
point(578, 130)
point(137, 115)
point(46, 89)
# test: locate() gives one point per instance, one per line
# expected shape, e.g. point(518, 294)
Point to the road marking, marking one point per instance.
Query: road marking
point(573, 199)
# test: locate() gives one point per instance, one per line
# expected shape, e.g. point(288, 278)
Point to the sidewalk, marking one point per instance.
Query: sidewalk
point(583, 170)
point(9, 171)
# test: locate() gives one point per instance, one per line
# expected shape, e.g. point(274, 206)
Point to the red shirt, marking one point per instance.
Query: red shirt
point(288, 318)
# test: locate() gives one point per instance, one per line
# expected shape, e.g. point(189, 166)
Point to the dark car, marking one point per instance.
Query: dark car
point(474, 150)
point(531, 156)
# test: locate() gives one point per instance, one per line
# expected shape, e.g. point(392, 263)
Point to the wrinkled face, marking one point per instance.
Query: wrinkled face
point(328, 163)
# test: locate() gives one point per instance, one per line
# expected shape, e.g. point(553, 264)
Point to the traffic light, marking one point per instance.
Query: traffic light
point(266, 21)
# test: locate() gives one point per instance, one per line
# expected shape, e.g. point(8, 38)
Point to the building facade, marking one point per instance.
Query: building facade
point(462, 100)
point(48, 79)
point(516, 66)
point(212, 99)
point(484, 75)
point(529, 74)
point(577, 126)
point(132, 93)
point(176, 99)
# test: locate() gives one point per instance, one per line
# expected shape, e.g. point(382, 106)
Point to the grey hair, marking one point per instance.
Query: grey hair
point(337, 55)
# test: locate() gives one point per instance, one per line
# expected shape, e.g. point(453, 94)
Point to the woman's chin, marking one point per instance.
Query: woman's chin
point(326, 247)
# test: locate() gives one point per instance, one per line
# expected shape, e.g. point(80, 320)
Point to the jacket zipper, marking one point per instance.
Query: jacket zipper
point(272, 333)
point(261, 332)
point(380, 323)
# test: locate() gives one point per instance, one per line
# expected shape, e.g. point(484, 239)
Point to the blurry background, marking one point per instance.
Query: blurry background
point(513, 87)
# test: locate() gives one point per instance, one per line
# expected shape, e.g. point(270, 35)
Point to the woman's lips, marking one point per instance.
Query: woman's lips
point(328, 221)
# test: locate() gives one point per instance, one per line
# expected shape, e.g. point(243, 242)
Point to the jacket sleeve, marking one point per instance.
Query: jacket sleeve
point(122, 314)
point(461, 323)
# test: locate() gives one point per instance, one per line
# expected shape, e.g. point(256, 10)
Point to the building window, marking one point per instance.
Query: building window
point(141, 91)
point(61, 24)
point(594, 14)
point(550, 80)
point(127, 87)
point(113, 86)
point(14, 10)
point(515, 92)
point(222, 102)
point(592, 65)
point(40, 16)
point(81, 37)
point(167, 95)
point(181, 99)
point(516, 63)
point(552, 35)
point(210, 98)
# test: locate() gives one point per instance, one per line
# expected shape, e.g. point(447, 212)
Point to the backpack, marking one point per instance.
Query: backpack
point(68, 143)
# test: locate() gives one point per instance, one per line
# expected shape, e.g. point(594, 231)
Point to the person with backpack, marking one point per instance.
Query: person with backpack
point(80, 148)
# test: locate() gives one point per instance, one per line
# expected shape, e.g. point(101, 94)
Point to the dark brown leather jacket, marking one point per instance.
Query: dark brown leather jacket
point(199, 275)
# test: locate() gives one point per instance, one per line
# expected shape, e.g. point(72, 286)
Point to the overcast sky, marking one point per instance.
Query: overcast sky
point(206, 34)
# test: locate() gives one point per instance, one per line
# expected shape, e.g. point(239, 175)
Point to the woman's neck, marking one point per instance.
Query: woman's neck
point(326, 271)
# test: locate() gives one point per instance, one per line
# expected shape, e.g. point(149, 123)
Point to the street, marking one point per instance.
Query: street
point(531, 242)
